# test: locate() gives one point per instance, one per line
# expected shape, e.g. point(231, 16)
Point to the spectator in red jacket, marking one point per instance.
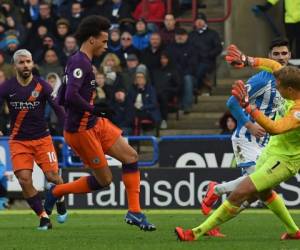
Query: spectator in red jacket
point(151, 10)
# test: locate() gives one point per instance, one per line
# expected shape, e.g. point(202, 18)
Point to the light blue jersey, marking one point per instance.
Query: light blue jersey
point(262, 92)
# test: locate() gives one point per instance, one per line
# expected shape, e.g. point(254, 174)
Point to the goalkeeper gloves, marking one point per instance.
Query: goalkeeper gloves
point(236, 58)
point(239, 91)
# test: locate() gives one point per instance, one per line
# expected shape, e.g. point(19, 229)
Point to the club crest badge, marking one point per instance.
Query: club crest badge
point(35, 94)
point(77, 73)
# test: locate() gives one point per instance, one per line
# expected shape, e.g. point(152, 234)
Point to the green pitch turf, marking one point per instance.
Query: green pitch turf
point(105, 229)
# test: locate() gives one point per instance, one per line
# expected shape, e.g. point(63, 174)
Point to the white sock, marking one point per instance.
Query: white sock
point(228, 187)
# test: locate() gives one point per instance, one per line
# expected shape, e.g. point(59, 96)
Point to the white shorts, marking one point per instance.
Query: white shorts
point(246, 153)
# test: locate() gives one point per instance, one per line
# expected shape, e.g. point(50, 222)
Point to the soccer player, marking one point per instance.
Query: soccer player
point(88, 133)
point(280, 159)
point(26, 96)
point(249, 138)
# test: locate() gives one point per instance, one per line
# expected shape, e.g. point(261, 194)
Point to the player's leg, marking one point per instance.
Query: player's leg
point(62, 214)
point(45, 156)
point(88, 147)
point(123, 152)
point(33, 198)
point(246, 153)
point(228, 210)
point(115, 145)
point(22, 162)
point(274, 171)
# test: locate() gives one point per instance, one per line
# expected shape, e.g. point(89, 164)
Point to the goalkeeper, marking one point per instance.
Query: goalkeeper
point(279, 161)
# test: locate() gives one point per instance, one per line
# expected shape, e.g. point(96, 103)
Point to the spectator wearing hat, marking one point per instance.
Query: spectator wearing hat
point(141, 38)
point(12, 45)
point(167, 85)
point(124, 112)
point(128, 73)
point(167, 33)
point(62, 31)
point(208, 44)
point(183, 53)
point(6, 68)
point(143, 96)
point(151, 55)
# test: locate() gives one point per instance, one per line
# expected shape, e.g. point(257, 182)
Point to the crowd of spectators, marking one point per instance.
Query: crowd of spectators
point(147, 65)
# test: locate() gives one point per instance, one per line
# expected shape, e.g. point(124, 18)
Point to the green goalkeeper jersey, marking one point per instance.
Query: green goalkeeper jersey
point(286, 145)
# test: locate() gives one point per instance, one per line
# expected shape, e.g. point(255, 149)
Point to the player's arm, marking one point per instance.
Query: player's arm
point(72, 97)
point(285, 124)
point(239, 60)
point(280, 126)
point(237, 111)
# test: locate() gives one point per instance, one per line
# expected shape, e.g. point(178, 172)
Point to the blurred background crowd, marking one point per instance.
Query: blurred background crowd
point(149, 70)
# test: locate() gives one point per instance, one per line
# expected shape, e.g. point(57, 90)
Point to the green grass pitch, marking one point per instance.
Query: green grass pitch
point(105, 229)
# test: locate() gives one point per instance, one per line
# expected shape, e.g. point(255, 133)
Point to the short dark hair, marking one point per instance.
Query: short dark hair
point(91, 26)
point(278, 42)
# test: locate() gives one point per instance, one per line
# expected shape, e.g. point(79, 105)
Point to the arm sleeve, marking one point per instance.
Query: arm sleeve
point(280, 126)
point(267, 64)
point(75, 80)
point(237, 111)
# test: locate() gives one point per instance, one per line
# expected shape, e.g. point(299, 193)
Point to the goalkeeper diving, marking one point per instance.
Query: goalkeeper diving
point(280, 159)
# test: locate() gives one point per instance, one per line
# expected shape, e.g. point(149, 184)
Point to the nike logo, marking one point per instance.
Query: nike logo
point(11, 95)
point(136, 218)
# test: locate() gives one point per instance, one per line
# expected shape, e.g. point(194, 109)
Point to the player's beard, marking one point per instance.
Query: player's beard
point(25, 74)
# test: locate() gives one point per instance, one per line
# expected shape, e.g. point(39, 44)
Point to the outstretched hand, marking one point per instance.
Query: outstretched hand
point(235, 57)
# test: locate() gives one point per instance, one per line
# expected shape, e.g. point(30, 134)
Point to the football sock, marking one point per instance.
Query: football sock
point(83, 185)
point(222, 214)
point(227, 187)
point(35, 202)
point(131, 179)
point(276, 204)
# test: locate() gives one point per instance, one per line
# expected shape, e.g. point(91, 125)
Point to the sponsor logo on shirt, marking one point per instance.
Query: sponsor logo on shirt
point(25, 105)
point(77, 73)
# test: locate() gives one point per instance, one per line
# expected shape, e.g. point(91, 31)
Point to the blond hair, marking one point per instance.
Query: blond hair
point(117, 67)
